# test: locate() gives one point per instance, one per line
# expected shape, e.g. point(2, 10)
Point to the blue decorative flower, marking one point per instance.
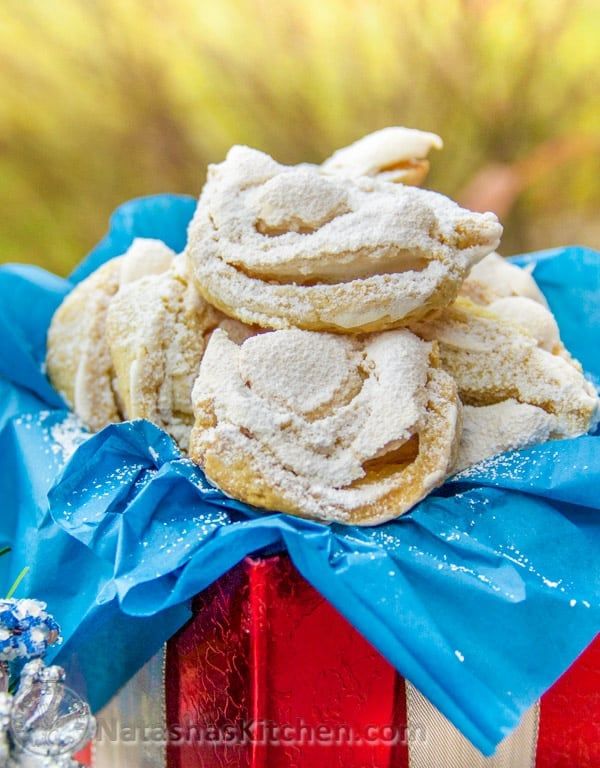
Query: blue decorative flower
point(26, 629)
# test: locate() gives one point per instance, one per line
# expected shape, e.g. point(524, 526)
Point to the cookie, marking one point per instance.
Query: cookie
point(493, 359)
point(504, 426)
point(533, 317)
point(511, 293)
point(278, 247)
point(78, 361)
point(335, 428)
point(496, 278)
point(393, 154)
point(157, 329)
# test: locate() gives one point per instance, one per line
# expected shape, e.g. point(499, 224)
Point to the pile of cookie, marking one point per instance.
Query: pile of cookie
point(334, 341)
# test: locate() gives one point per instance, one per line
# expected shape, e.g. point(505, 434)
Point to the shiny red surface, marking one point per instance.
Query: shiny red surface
point(208, 675)
point(569, 735)
point(264, 645)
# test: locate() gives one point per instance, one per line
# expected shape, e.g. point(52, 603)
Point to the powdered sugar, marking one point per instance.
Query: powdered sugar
point(271, 364)
point(494, 278)
point(504, 426)
point(67, 436)
point(532, 316)
point(145, 256)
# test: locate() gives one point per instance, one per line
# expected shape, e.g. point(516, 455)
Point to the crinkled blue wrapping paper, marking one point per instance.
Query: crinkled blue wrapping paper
point(481, 596)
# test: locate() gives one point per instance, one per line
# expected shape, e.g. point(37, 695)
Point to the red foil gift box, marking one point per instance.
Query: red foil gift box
point(267, 674)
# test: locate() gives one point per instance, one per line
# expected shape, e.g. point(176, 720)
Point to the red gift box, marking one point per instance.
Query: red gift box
point(268, 674)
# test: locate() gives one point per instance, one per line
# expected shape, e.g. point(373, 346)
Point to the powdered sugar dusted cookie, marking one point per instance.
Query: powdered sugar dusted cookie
point(78, 358)
point(157, 329)
point(493, 359)
point(393, 154)
point(496, 278)
point(324, 426)
point(278, 246)
point(533, 317)
point(504, 426)
point(511, 293)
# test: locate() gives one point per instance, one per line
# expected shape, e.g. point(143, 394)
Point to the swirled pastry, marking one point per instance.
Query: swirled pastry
point(511, 293)
point(393, 154)
point(496, 278)
point(504, 426)
point(493, 360)
point(279, 246)
point(78, 359)
point(536, 319)
point(324, 426)
point(157, 329)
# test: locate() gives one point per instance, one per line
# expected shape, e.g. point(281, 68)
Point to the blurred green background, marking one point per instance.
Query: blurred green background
point(104, 100)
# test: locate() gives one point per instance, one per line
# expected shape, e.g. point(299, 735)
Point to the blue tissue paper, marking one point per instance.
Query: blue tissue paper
point(482, 596)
